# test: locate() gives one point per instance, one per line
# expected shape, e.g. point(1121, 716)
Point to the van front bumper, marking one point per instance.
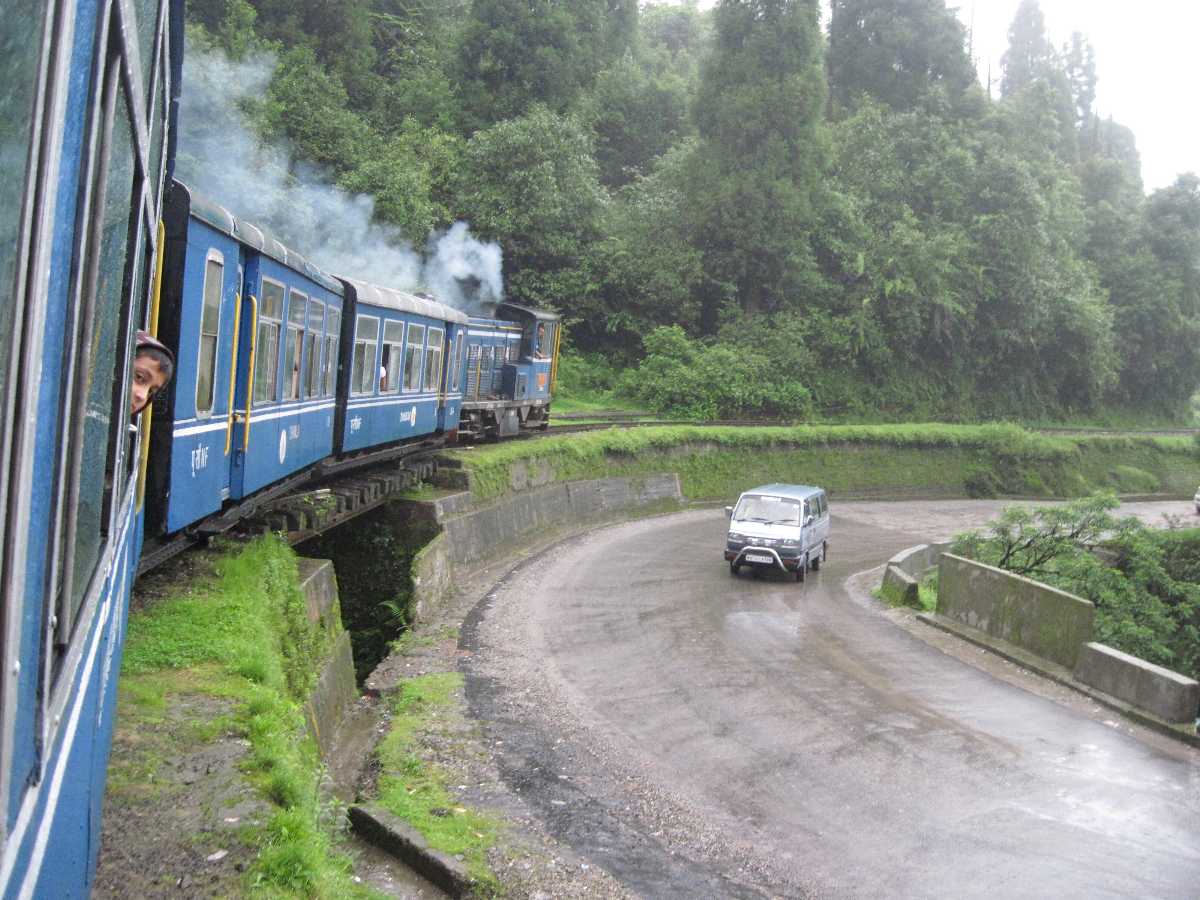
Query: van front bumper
point(758, 556)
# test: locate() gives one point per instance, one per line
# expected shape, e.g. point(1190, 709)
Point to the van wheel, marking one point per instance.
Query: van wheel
point(801, 569)
point(816, 563)
point(734, 568)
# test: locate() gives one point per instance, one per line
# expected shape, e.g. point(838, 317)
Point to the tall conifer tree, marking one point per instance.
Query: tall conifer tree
point(763, 150)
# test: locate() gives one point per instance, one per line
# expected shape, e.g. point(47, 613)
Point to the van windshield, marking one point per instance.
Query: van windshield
point(774, 510)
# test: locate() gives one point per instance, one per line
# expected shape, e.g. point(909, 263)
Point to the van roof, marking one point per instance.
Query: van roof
point(791, 491)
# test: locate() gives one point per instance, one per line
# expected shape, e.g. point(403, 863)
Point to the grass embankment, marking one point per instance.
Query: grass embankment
point(716, 463)
point(235, 639)
point(418, 791)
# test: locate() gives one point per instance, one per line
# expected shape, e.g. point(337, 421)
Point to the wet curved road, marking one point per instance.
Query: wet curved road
point(809, 733)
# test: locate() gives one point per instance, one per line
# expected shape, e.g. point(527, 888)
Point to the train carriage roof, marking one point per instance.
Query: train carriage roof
point(212, 213)
point(541, 315)
point(402, 301)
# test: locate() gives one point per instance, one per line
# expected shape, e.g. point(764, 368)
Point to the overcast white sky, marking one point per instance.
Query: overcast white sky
point(1145, 63)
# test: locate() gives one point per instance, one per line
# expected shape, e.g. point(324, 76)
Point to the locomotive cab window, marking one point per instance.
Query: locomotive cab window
point(266, 361)
point(433, 361)
point(210, 321)
point(331, 352)
point(312, 348)
point(294, 352)
point(393, 353)
point(412, 357)
point(366, 336)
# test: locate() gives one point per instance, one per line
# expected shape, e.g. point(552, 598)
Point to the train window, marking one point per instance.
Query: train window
point(158, 127)
point(366, 336)
point(266, 351)
point(412, 357)
point(294, 348)
point(458, 353)
point(393, 353)
point(101, 343)
point(312, 348)
point(210, 323)
point(433, 360)
point(331, 351)
point(147, 21)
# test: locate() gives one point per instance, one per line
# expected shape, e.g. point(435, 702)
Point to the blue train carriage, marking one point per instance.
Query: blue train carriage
point(512, 363)
point(257, 333)
point(89, 93)
point(405, 368)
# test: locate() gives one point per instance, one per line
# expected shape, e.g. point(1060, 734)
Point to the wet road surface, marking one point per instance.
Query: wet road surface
point(822, 750)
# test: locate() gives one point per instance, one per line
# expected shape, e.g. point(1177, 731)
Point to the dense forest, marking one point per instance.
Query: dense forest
point(749, 211)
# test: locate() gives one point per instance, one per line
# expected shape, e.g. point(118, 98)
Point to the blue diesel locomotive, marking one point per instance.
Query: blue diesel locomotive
point(89, 89)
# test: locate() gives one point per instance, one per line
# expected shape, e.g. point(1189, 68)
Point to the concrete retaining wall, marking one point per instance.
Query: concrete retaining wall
point(1170, 696)
point(902, 577)
point(1035, 617)
point(472, 534)
point(336, 689)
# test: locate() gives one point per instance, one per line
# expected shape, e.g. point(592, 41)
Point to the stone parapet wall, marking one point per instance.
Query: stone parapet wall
point(1172, 697)
point(473, 534)
point(1043, 620)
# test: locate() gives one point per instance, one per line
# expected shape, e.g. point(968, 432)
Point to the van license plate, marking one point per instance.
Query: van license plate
point(759, 557)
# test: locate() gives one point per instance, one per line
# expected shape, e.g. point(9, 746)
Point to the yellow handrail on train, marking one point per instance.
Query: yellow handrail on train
point(237, 324)
point(155, 302)
point(250, 379)
point(554, 360)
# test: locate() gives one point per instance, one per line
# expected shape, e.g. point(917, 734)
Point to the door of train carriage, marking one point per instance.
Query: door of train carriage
point(450, 401)
point(287, 377)
point(211, 306)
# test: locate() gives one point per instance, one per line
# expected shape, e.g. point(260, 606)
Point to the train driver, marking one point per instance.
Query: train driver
point(539, 343)
point(153, 366)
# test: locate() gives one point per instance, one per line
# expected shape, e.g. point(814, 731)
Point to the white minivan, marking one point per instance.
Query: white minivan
point(778, 526)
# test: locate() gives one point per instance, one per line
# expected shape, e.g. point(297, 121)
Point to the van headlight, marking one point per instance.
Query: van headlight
point(735, 538)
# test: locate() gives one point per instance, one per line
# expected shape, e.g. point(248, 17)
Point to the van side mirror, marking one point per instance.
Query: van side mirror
point(729, 512)
point(809, 519)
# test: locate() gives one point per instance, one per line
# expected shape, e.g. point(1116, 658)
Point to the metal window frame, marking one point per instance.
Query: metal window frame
point(394, 346)
point(302, 327)
point(420, 345)
point(213, 255)
point(431, 378)
point(357, 389)
point(260, 320)
point(24, 360)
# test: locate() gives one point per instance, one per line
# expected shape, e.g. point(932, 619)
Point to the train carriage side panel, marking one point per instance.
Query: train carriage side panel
point(202, 306)
point(287, 427)
point(396, 361)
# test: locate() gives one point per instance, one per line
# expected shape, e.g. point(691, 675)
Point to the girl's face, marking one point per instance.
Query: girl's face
point(148, 379)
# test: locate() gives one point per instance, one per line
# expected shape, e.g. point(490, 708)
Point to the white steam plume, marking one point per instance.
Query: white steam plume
point(221, 157)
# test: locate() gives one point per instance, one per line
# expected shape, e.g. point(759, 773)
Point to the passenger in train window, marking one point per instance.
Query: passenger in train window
point(539, 345)
point(153, 367)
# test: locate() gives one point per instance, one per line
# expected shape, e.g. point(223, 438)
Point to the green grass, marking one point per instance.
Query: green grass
point(415, 789)
point(241, 638)
point(715, 463)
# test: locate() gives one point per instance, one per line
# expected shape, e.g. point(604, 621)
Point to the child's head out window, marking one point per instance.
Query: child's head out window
point(153, 367)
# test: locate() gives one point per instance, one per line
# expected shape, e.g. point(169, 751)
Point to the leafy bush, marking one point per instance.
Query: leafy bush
point(694, 380)
point(1143, 582)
